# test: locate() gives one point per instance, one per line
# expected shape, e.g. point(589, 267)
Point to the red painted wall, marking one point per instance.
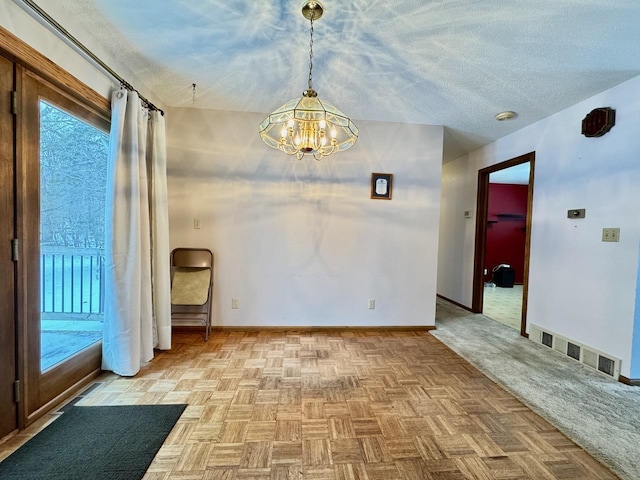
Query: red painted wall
point(506, 235)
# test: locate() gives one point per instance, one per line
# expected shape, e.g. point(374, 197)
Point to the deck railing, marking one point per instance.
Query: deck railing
point(72, 280)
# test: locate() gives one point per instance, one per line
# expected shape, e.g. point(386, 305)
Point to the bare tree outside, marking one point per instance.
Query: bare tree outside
point(72, 200)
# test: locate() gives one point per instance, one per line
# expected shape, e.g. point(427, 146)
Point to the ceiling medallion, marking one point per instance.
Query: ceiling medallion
point(308, 125)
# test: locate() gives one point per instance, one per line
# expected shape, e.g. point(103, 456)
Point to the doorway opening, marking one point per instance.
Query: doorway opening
point(503, 233)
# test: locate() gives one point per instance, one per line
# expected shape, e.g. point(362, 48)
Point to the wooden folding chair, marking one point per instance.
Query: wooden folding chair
point(192, 285)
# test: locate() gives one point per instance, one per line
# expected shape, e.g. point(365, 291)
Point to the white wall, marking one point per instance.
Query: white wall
point(300, 243)
point(635, 349)
point(457, 233)
point(579, 287)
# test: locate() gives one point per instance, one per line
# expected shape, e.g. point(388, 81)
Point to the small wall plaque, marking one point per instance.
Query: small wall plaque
point(598, 122)
point(381, 186)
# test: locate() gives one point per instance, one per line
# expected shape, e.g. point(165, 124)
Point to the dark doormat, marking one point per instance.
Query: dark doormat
point(114, 443)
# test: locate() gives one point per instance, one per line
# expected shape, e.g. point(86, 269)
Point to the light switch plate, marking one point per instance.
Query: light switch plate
point(576, 213)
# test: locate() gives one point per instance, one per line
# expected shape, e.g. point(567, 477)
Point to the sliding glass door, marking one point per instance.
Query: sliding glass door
point(65, 160)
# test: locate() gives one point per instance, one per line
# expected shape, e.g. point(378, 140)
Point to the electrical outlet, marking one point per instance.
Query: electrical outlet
point(196, 224)
point(372, 304)
point(610, 234)
point(235, 303)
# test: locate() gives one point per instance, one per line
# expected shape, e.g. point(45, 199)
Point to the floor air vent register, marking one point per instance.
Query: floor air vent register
point(591, 357)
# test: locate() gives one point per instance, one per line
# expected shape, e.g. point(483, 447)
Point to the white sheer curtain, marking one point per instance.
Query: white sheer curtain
point(130, 329)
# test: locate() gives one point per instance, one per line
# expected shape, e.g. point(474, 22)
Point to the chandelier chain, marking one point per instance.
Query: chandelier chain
point(311, 54)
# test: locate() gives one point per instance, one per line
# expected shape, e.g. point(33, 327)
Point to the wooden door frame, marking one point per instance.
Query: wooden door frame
point(44, 390)
point(482, 207)
point(29, 62)
point(8, 320)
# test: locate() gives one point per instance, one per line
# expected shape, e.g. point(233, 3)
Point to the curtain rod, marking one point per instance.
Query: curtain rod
point(45, 16)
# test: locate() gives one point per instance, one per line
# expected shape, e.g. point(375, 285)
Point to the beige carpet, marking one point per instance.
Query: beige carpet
point(598, 413)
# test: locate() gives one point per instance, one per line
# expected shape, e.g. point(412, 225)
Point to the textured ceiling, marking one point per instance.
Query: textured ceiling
point(447, 62)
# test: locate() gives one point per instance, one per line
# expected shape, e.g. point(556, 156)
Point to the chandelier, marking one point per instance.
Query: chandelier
point(309, 125)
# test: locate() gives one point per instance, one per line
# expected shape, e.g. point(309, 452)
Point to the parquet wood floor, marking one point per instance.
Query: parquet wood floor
point(340, 405)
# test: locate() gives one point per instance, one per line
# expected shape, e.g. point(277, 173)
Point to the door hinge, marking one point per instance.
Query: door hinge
point(14, 102)
point(14, 249)
point(16, 391)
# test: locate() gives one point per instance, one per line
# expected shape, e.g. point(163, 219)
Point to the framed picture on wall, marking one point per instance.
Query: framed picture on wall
point(381, 186)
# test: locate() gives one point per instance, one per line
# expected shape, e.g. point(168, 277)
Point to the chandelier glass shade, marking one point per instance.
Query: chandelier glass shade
point(308, 125)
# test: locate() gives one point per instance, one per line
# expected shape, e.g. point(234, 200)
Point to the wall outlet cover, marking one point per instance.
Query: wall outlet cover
point(610, 234)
